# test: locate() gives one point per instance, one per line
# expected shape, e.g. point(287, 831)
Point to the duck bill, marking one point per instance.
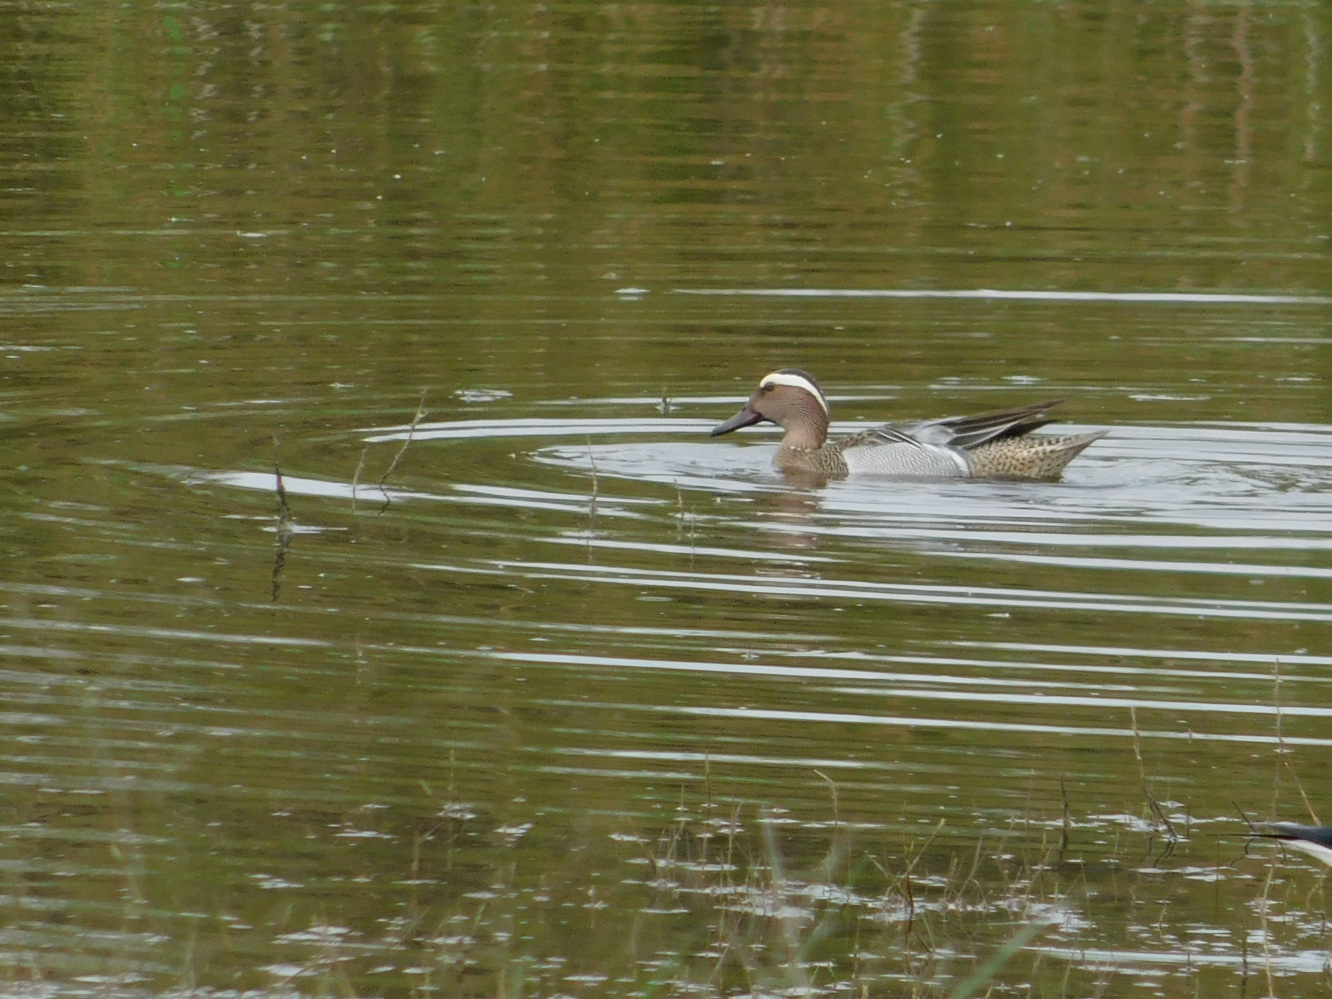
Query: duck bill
point(745, 418)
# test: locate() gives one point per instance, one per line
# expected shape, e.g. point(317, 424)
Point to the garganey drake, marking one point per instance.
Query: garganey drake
point(997, 444)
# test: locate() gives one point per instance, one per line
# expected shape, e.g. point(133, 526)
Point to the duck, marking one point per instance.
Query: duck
point(993, 445)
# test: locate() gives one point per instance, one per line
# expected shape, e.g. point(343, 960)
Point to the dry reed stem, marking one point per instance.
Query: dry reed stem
point(421, 412)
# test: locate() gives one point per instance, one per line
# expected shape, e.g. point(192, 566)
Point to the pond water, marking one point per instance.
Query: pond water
point(379, 618)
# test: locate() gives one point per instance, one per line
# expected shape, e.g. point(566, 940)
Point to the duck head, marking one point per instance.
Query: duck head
point(790, 398)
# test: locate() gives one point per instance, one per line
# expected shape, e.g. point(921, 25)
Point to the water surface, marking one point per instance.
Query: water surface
point(524, 685)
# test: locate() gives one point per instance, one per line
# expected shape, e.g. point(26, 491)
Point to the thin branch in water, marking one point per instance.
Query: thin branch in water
point(832, 785)
point(411, 430)
point(596, 483)
point(1142, 774)
point(356, 475)
point(686, 517)
point(284, 528)
point(1264, 904)
point(592, 500)
point(284, 517)
point(1282, 751)
point(1276, 700)
point(1067, 822)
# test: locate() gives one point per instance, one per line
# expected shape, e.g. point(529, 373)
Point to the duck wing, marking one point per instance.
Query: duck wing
point(880, 436)
point(967, 432)
point(893, 450)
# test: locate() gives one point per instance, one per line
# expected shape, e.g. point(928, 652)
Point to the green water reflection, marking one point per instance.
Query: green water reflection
point(544, 692)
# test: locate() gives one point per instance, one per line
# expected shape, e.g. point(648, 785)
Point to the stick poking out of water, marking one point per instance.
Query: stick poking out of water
point(1283, 753)
point(596, 485)
point(411, 430)
point(285, 521)
point(284, 517)
point(1161, 817)
point(356, 475)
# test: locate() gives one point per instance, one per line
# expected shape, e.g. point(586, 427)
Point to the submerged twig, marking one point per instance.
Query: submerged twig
point(1264, 902)
point(1067, 822)
point(1152, 803)
point(596, 484)
point(284, 524)
point(686, 517)
point(284, 517)
point(1282, 752)
point(832, 786)
point(592, 500)
point(411, 430)
point(356, 475)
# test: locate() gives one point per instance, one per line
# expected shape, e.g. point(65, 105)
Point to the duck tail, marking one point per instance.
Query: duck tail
point(1038, 456)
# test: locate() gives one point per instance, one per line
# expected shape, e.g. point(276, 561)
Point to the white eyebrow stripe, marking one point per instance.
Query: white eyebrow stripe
point(795, 381)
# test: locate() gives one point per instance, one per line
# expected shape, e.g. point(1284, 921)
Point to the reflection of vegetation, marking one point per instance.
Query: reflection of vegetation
point(776, 930)
point(496, 147)
point(729, 904)
point(313, 209)
point(727, 909)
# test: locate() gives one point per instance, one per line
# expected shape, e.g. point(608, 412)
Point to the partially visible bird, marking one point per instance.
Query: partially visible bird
point(1316, 841)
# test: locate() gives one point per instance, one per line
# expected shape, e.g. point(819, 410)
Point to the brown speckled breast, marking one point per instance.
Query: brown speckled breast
point(823, 461)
